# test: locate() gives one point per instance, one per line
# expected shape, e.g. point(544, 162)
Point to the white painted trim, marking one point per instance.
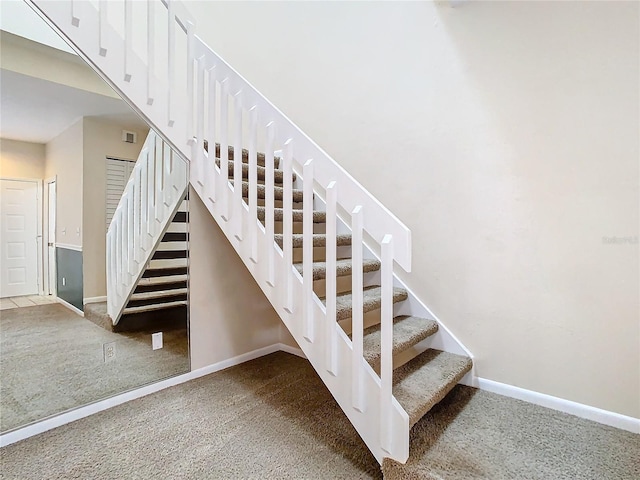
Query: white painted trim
point(598, 415)
point(292, 350)
point(69, 306)
point(87, 410)
point(66, 246)
point(94, 300)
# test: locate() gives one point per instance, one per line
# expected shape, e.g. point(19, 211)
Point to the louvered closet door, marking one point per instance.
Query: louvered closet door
point(118, 173)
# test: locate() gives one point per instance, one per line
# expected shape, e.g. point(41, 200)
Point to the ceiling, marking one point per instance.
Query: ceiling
point(36, 110)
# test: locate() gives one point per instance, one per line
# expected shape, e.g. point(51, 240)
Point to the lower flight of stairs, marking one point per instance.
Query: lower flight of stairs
point(421, 377)
point(160, 298)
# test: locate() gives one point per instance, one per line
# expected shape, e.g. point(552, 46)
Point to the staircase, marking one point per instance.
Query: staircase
point(324, 251)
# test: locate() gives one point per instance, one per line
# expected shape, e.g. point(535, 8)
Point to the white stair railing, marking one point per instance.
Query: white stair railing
point(153, 194)
point(190, 94)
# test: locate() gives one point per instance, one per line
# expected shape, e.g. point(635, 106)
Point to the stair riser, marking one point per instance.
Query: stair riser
point(297, 227)
point(343, 284)
point(370, 319)
point(157, 301)
point(276, 203)
point(142, 288)
point(320, 254)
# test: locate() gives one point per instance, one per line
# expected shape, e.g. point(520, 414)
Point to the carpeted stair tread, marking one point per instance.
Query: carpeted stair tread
point(407, 332)
point(278, 192)
point(371, 301)
point(278, 215)
point(278, 175)
point(343, 268)
point(422, 382)
point(319, 240)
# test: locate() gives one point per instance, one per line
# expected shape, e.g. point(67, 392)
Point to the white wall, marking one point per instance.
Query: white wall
point(18, 18)
point(228, 313)
point(64, 160)
point(21, 159)
point(505, 134)
point(101, 139)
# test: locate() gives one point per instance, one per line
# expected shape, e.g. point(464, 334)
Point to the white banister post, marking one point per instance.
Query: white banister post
point(237, 210)
point(128, 38)
point(151, 52)
point(331, 279)
point(269, 203)
point(224, 148)
point(307, 250)
point(357, 313)
point(151, 188)
point(209, 170)
point(253, 182)
point(102, 27)
point(386, 341)
point(287, 223)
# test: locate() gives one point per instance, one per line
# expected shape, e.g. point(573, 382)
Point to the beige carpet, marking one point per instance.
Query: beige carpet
point(272, 418)
point(51, 360)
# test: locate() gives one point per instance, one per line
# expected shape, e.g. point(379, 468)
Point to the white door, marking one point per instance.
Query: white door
point(51, 237)
point(18, 238)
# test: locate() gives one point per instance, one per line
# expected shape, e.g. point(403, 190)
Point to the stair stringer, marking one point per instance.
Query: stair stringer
point(367, 422)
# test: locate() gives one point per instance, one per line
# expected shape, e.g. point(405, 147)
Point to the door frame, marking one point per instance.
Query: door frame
point(45, 232)
point(39, 220)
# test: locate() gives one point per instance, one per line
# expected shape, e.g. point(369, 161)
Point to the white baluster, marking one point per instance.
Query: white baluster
point(137, 224)
point(209, 170)
point(253, 183)
point(269, 204)
point(75, 20)
point(237, 210)
point(144, 196)
point(159, 204)
point(307, 250)
point(224, 148)
point(128, 38)
point(386, 341)
point(131, 231)
point(151, 51)
point(199, 157)
point(151, 188)
point(331, 279)
point(190, 95)
point(357, 314)
point(171, 35)
point(102, 28)
point(167, 189)
point(287, 224)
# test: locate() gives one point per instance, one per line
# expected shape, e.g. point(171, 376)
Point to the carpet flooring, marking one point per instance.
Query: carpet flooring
point(272, 418)
point(51, 360)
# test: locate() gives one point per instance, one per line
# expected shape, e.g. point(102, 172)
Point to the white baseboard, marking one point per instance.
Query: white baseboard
point(94, 300)
point(69, 306)
point(85, 411)
point(605, 417)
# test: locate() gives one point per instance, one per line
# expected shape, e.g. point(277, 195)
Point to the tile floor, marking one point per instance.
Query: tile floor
point(26, 301)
